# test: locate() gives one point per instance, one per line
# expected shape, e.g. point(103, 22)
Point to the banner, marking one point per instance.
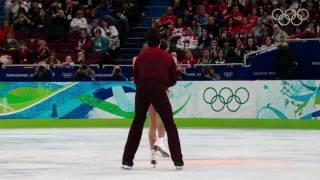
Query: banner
point(190, 99)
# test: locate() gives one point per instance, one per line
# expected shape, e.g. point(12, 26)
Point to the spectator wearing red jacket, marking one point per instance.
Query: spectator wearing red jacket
point(221, 6)
point(85, 43)
point(4, 30)
point(253, 18)
point(236, 16)
point(169, 19)
point(189, 59)
point(209, 7)
point(245, 28)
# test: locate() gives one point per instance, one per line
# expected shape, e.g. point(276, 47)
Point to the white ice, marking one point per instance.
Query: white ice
point(95, 154)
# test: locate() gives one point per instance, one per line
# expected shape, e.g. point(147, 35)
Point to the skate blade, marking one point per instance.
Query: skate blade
point(153, 163)
point(179, 168)
point(162, 152)
point(125, 167)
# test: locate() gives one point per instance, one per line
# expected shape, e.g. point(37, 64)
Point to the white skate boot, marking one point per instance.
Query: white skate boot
point(159, 147)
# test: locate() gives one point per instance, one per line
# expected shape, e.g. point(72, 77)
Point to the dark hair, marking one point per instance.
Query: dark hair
point(163, 44)
point(153, 37)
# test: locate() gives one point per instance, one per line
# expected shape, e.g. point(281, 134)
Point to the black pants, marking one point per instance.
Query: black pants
point(152, 93)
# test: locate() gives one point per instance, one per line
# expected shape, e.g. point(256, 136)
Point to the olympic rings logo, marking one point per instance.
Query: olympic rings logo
point(288, 16)
point(226, 98)
point(228, 74)
point(67, 75)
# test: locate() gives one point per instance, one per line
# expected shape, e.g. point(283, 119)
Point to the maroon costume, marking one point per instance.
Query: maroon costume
point(154, 72)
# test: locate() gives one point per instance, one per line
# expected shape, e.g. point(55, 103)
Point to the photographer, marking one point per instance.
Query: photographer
point(117, 75)
point(286, 63)
point(84, 73)
point(42, 74)
point(22, 23)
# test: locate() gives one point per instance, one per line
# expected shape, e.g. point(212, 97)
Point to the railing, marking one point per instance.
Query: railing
point(273, 47)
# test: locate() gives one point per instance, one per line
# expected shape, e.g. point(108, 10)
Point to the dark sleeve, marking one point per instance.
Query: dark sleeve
point(172, 73)
point(136, 74)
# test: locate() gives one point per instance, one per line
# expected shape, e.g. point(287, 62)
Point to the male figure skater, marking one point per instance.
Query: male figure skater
point(154, 73)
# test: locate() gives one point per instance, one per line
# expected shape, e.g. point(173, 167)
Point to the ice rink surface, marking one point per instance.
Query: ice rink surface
point(213, 154)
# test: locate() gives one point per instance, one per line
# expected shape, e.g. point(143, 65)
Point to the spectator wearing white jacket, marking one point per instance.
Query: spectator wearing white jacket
point(79, 22)
point(188, 41)
point(111, 33)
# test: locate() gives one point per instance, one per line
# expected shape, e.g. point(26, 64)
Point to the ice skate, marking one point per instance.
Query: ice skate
point(153, 158)
point(162, 150)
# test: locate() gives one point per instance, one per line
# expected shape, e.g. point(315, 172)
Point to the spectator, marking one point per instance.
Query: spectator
point(81, 58)
point(68, 61)
point(41, 21)
point(158, 25)
point(204, 41)
point(85, 43)
point(188, 41)
point(100, 44)
point(205, 57)
point(189, 59)
point(179, 29)
point(58, 26)
point(251, 46)
point(4, 30)
point(212, 28)
point(85, 73)
point(228, 50)
point(220, 59)
point(117, 75)
point(258, 28)
point(42, 74)
point(95, 25)
point(238, 52)
point(267, 43)
point(209, 74)
point(195, 28)
point(187, 16)
point(112, 35)
point(42, 51)
point(202, 17)
point(169, 19)
point(310, 31)
point(253, 18)
point(10, 47)
point(181, 75)
point(19, 5)
point(245, 27)
point(278, 34)
point(22, 23)
point(214, 48)
point(52, 59)
point(70, 9)
point(24, 54)
point(209, 7)
point(5, 59)
point(79, 22)
point(236, 16)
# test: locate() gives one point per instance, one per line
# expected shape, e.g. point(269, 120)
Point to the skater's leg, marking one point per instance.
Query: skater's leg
point(153, 115)
point(161, 130)
point(162, 105)
point(141, 106)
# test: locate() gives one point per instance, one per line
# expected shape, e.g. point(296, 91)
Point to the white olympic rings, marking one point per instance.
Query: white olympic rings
point(295, 17)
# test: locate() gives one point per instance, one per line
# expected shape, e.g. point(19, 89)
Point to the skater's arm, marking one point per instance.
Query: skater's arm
point(172, 73)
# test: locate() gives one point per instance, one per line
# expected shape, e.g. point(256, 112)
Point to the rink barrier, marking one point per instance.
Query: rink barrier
point(190, 99)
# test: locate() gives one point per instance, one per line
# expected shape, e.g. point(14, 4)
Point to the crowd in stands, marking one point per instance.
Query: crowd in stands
point(66, 32)
point(222, 31)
